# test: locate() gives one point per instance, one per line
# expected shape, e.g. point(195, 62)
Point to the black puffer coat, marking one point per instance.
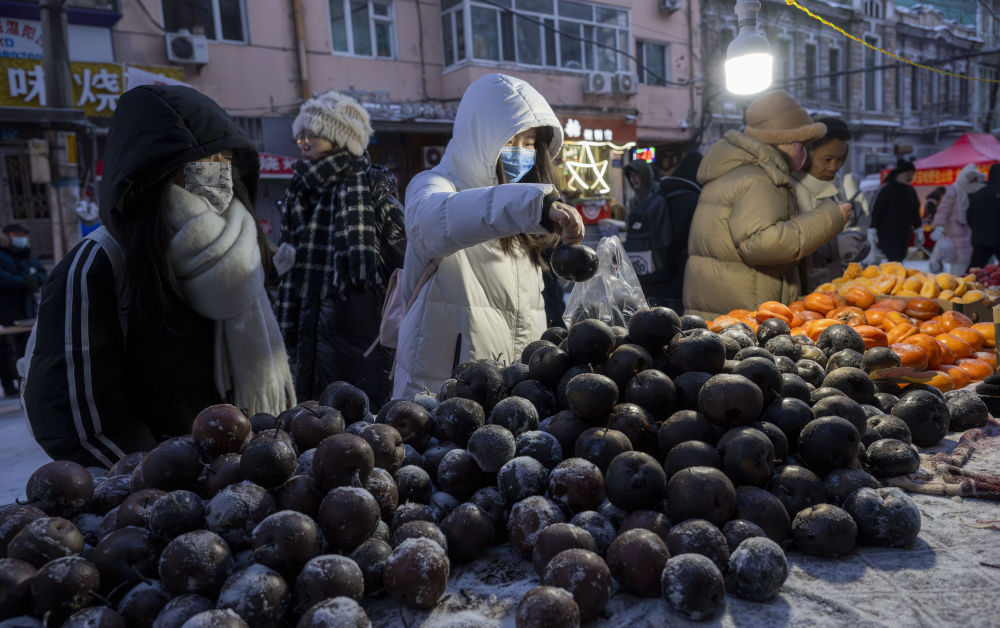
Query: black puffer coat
point(102, 381)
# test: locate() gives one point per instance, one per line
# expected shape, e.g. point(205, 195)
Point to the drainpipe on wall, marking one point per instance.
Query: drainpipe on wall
point(691, 87)
point(305, 91)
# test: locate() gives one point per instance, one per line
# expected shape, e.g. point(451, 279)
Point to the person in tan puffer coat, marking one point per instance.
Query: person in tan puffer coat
point(748, 237)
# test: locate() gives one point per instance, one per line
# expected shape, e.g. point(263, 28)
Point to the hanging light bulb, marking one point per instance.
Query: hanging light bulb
point(748, 59)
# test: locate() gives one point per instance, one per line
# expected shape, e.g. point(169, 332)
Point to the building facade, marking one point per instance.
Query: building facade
point(892, 109)
point(617, 72)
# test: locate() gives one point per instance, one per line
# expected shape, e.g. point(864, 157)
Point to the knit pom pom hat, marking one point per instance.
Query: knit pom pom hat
point(337, 118)
point(776, 118)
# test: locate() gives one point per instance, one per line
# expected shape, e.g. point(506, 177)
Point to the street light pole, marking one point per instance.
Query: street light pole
point(55, 54)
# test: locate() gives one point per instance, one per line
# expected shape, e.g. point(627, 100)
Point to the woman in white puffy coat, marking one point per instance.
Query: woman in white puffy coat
point(485, 300)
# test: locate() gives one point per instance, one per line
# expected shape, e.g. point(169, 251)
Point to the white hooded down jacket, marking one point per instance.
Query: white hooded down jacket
point(481, 303)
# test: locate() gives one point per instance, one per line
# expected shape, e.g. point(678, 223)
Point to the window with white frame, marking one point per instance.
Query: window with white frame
point(362, 27)
point(563, 34)
point(220, 20)
point(783, 67)
point(653, 62)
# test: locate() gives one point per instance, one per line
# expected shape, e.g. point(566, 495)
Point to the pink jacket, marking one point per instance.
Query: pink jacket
point(956, 231)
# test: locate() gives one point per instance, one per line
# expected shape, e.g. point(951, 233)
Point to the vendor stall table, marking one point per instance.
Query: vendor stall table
point(950, 577)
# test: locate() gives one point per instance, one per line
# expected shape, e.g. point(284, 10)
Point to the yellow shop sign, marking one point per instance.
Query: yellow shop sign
point(96, 86)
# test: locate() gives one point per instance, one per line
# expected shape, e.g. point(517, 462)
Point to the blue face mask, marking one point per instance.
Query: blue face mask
point(517, 162)
point(19, 242)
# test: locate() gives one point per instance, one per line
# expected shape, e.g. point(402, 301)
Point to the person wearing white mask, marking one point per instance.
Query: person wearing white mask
point(162, 311)
point(483, 216)
point(748, 235)
point(952, 236)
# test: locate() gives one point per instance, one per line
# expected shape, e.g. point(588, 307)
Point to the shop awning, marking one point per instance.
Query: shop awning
point(981, 149)
point(45, 116)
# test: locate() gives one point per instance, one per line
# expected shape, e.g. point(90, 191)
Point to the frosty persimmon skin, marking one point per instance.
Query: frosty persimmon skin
point(547, 607)
point(416, 573)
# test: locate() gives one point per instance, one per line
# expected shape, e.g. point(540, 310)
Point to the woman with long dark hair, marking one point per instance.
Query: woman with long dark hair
point(484, 216)
point(163, 311)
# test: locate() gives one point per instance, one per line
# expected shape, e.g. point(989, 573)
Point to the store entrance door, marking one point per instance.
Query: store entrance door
point(22, 201)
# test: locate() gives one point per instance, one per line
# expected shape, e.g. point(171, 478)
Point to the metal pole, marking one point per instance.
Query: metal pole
point(55, 54)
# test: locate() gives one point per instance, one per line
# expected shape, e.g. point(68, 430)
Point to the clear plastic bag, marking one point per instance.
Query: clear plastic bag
point(613, 294)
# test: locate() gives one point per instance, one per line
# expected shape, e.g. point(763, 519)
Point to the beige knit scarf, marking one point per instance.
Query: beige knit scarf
point(217, 262)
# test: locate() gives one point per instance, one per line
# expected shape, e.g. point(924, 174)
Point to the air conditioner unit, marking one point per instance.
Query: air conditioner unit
point(597, 83)
point(431, 156)
point(625, 83)
point(183, 47)
point(670, 5)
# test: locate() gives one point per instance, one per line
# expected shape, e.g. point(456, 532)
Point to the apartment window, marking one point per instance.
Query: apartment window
point(653, 61)
point(783, 63)
point(873, 8)
point(544, 33)
point(812, 68)
point(915, 84)
point(362, 27)
point(833, 66)
point(873, 78)
point(220, 20)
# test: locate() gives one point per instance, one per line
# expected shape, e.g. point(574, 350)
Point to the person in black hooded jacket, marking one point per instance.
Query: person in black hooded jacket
point(162, 311)
point(658, 234)
point(983, 217)
point(896, 211)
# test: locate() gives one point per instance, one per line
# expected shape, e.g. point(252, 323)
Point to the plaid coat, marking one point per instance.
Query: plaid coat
point(342, 217)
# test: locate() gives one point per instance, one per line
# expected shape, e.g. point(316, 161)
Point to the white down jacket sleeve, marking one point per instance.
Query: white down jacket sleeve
point(441, 221)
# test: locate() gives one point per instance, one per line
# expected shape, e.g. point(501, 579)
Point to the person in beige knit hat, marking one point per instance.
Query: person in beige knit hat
point(747, 236)
point(342, 236)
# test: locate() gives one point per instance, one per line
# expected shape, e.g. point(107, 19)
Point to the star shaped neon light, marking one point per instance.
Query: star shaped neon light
point(599, 169)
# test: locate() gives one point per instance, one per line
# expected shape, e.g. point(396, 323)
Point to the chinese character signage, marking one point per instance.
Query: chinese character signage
point(276, 166)
point(20, 39)
point(610, 130)
point(939, 176)
point(96, 86)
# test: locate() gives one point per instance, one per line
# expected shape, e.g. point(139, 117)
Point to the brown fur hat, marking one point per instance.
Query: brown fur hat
point(776, 118)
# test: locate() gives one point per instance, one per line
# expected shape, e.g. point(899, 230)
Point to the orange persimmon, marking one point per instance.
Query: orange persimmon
point(959, 375)
point(987, 330)
point(910, 355)
point(969, 335)
point(977, 369)
point(821, 302)
point(859, 296)
point(922, 308)
point(930, 345)
point(900, 332)
point(947, 356)
point(892, 319)
point(896, 305)
point(773, 309)
point(722, 323)
point(808, 315)
point(952, 319)
point(849, 315)
point(932, 327)
point(815, 328)
point(873, 336)
point(874, 317)
point(959, 347)
point(986, 356)
point(942, 381)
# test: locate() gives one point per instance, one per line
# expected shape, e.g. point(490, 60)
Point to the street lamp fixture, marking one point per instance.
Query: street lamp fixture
point(748, 59)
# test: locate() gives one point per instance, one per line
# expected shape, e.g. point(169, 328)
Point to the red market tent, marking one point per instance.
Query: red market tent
point(942, 168)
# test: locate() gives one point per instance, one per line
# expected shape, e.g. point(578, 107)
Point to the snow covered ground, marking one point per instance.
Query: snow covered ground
point(20, 455)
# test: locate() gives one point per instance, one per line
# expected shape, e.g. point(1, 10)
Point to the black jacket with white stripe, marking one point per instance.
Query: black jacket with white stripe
point(101, 384)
